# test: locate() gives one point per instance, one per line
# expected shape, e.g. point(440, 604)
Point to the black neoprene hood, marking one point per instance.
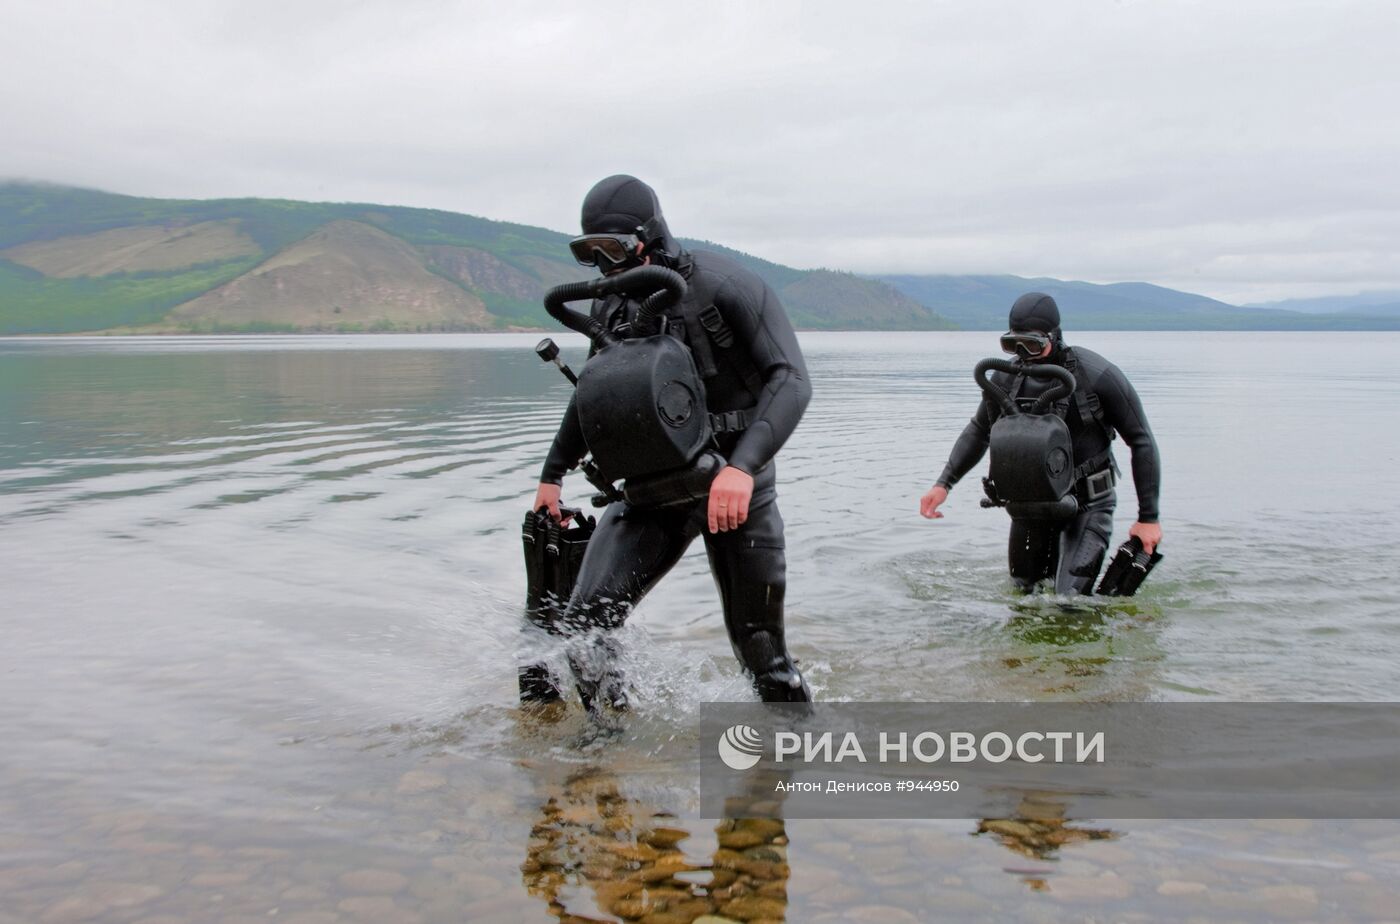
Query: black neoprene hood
point(620, 204)
point(1035, 311)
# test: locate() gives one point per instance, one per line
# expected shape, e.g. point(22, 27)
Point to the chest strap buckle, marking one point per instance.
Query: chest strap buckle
point(729, 421)
point(714, 325)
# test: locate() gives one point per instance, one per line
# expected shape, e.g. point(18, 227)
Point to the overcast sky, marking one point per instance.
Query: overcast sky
point(1245, 150)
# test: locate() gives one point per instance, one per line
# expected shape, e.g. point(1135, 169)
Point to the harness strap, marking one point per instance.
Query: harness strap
point(729, 421)
point(714, 325)
point(1084, 399)
point(1096, 463)
point(699, 343)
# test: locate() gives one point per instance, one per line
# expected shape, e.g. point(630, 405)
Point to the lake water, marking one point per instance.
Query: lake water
point(261, 605)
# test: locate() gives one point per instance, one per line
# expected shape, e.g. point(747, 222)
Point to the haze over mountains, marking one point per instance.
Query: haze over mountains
point(80, 260)
point(980, 303)
point(1383, 303)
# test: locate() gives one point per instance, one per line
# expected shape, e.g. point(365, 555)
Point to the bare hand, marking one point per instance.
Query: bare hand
point(930, 502)
point(548, 497)
point(730, 494)
point(1149, 534)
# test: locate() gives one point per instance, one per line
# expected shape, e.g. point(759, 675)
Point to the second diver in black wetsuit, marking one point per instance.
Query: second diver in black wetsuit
point(1069, 551)
point(756, 389)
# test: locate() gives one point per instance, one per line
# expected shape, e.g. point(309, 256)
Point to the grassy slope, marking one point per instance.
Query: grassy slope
point(32, 303)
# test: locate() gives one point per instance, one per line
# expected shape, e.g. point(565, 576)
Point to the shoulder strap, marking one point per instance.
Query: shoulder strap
point(1018, 383)
point(709, 333)
point(699, 343)
point(609, 310)
point(1084, 399)
point(705, 327)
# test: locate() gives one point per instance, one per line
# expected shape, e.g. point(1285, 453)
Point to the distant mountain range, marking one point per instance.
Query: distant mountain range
point(1376, 304)
point(981, 303)
point(75, 260)
point(80, 260)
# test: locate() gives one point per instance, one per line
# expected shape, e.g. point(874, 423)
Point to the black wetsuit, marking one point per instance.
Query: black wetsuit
point(758, 373)
point(1071, 551)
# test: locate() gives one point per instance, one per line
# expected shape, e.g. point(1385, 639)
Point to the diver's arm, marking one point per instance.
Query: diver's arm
point(566, 452)
point(569, 446)
point(967, 451)
point(568, 449)
point(1123, 409)
point(969, 448)
point(761, 324)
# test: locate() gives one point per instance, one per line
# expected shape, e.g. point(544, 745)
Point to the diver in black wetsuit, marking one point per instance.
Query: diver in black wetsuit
point(756, 389)
point(1071, 551)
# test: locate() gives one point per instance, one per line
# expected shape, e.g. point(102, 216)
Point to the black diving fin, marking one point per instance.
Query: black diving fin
point(1127, 571)
point(553, 555)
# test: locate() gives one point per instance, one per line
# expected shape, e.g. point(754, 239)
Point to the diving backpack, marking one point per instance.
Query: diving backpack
point(640, 399)
point(1032, 470)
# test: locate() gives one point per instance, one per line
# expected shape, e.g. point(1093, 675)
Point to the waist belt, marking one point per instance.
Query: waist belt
point(1096, 486)
point(729, 421)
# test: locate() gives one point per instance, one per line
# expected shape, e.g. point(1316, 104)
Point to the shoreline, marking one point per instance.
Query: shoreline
point(106, 334)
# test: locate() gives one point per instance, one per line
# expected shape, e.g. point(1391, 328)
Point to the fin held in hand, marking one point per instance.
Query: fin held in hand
point(1127, 571)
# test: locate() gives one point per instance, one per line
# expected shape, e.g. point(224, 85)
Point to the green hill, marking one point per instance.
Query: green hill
point(75, 260)
point(80, 260)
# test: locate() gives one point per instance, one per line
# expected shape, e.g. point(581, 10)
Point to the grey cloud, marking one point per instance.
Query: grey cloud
point(1244, 150)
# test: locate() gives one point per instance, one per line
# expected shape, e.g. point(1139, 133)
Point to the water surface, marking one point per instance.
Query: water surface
point(261, 618)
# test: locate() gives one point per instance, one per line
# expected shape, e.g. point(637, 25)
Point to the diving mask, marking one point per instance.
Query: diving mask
point(606, 251)
point(1027, 344)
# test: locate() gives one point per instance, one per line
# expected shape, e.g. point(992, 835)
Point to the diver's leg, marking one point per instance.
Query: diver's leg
point(536, 684)
point(750, 568)
point(1031, 552)
point(630, 550)
point(1082, 546)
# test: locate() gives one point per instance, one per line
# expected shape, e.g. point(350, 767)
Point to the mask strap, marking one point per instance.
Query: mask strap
point(651, 231)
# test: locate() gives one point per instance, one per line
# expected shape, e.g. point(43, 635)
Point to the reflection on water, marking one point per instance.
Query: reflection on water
point(640, 863)
point(261, 615)
point(1038, 830)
